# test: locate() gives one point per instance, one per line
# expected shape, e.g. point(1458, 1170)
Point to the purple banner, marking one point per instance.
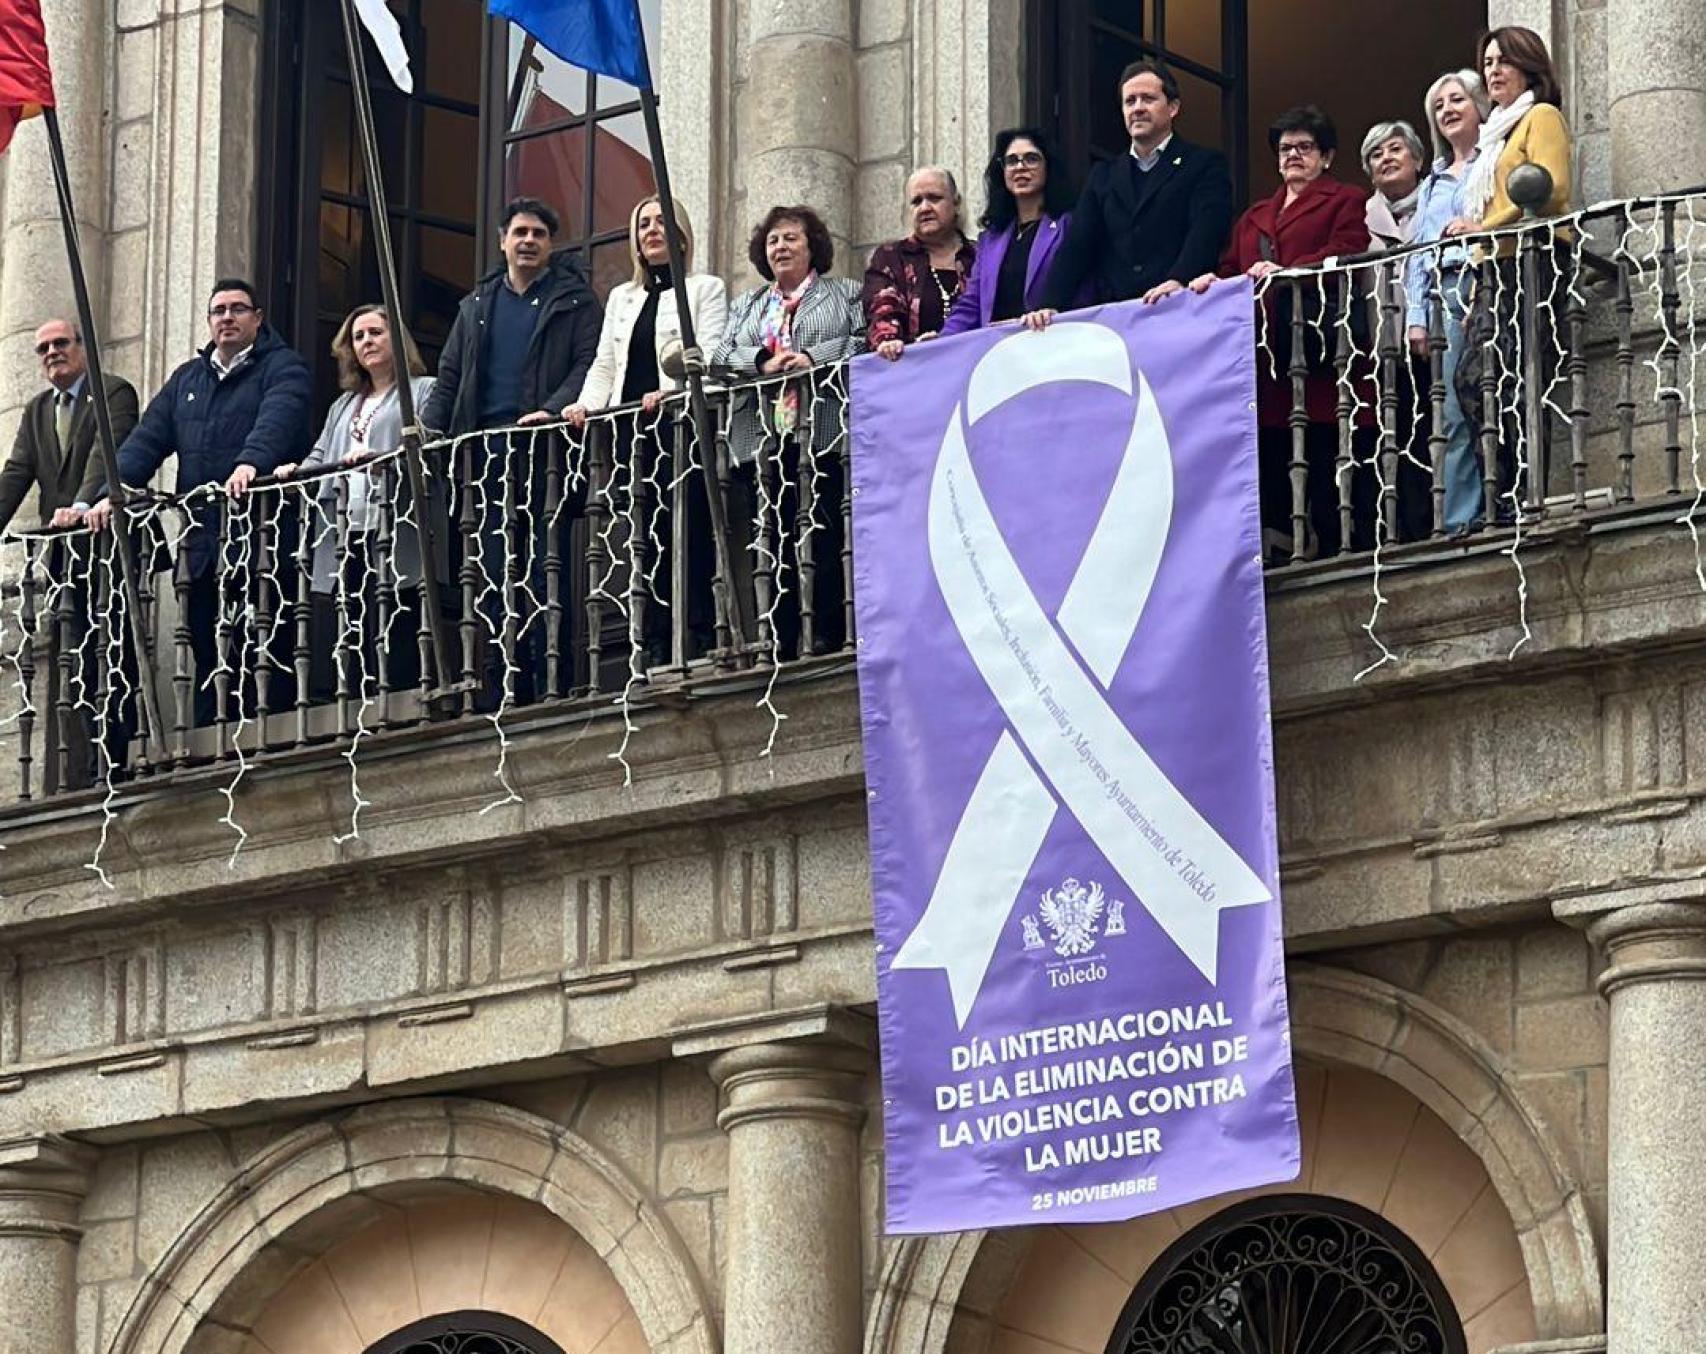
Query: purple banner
point(1063, 678)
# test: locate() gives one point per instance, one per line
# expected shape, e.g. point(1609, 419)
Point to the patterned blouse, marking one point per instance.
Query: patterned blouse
point(904, 297)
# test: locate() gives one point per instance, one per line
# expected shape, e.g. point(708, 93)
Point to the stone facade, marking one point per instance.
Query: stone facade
point(601, 1059)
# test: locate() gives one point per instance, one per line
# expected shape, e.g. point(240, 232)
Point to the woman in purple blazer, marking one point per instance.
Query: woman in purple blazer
point(1028, 196)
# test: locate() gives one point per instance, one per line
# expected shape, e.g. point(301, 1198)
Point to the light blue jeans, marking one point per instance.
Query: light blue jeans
point(1464, 495)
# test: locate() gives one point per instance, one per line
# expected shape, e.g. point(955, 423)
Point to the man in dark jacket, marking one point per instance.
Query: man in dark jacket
point(236, 410)
point(518, 353)
point(1147, 222)
point(524, 338)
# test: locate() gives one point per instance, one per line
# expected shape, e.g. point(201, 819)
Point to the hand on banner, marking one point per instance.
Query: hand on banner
point(1038, 320)
point(1201, 284)
point(890, 350)
point(1161, 291)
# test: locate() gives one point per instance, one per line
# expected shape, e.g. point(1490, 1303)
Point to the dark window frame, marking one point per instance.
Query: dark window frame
point(303, 47)
point(1059, 39)
point(499, 139)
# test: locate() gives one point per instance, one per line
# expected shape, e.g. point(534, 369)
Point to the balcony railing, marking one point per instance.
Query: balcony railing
point(578, 567)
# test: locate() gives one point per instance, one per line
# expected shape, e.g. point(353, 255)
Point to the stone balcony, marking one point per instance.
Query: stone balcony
point(666, 843)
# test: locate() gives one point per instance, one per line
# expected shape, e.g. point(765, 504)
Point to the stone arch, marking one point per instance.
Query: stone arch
point(296, 1200)
point(941, 1295)
point(466, 1251)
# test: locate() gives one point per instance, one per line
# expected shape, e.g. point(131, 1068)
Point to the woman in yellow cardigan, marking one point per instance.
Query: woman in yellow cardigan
point(1524, 127)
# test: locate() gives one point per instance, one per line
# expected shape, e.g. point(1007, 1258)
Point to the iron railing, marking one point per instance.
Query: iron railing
point(578, 564)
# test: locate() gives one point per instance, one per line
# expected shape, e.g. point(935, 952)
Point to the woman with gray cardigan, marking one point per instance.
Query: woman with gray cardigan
point(363, 423)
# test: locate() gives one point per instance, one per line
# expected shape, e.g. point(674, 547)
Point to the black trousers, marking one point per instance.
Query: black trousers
point(1321, 496)
point(794, 512)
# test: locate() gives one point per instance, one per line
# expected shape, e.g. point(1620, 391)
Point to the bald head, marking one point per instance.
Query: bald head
point(59, 347)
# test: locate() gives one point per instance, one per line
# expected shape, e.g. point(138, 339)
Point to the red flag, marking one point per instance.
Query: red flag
point(26, 83)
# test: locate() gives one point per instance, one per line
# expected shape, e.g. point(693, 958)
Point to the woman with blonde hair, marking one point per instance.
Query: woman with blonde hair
point(640, 319)
point(364, 422)
point(1441, 282)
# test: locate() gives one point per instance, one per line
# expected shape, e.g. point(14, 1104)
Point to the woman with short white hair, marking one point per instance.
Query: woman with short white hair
point(1393, 157)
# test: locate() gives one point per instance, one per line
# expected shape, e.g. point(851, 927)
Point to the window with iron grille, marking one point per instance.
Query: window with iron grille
point(1290, 1274)
point(467, 1333)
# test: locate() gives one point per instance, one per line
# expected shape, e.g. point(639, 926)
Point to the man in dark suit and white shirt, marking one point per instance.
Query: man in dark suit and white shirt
point(55, 448)
point(1146, 219)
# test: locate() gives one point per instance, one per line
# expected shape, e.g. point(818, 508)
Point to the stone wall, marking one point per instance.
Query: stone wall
point(1530, 993)
point(884, 85)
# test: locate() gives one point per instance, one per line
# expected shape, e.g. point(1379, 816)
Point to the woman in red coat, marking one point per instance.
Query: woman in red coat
point(1311, 218)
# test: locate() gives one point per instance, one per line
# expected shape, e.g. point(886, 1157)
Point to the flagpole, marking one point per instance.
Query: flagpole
point(425, 527)
point(727, 595)
point(129, 566)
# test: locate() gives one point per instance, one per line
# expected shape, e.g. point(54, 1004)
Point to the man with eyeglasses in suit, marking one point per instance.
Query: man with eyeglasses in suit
point(55, 453)
point(55, 447)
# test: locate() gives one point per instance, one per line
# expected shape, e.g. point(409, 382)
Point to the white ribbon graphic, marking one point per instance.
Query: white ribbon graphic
point(1080, 753)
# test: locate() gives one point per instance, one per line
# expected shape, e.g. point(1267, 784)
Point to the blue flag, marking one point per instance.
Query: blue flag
point(603, 36)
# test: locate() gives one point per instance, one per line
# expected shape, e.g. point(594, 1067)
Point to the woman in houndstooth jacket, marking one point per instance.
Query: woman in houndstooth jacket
point(784, 413)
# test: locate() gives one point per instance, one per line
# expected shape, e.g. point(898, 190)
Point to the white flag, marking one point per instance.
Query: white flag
point(388, 38)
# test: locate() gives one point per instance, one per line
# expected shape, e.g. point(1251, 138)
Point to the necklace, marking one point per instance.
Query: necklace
point(358, 425)
point(948, 297)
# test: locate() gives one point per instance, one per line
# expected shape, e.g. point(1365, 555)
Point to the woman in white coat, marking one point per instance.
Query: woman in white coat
point(641, 323)
point(641, 326)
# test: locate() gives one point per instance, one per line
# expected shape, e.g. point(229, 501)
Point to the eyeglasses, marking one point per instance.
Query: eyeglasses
point(1289, 148)
point(236, 310)
point(1027, 159)
point(53, 345)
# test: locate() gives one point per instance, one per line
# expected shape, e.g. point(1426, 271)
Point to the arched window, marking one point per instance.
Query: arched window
point(467, 1333)
point(1290, 1274)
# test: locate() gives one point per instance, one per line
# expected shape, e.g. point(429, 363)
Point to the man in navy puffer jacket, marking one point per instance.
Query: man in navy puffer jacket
point(236, 410)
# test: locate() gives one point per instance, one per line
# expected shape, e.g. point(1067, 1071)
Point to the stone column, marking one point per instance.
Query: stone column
point(1654, 943)
point(42, 1184)
point(792, 1273)
point(1656, 72)
point(797, 117)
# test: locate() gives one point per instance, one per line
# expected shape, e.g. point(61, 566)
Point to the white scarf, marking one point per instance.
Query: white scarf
point(1484, 172)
